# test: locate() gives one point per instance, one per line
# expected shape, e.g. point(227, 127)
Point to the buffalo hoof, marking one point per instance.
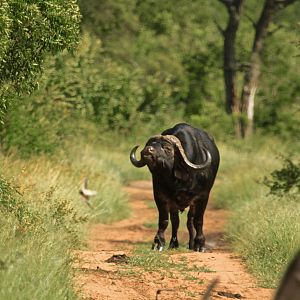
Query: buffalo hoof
point(173, 243)
point(199, 244)
point(157, 247)
point(200, 249)
point(158, 244)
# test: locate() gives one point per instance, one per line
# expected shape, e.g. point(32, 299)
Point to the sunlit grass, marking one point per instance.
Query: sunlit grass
point(242, 171)
point(267, 234)
point(36, 264)
point(264, 229)
point(40, 228)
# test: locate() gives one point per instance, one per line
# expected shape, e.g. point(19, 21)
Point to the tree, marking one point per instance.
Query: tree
point(244, 108)
point(30, 30)
point(234, 9)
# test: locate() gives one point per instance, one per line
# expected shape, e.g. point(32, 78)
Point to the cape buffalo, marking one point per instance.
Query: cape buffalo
point(184, 162)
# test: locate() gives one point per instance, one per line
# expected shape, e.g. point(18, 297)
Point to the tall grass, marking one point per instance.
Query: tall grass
point(264, 229)
point(34, 264)
point(42, 216)
point(267, 234)
point(35, 242)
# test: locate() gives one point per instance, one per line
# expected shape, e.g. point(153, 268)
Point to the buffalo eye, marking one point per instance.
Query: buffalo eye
point(167, 149)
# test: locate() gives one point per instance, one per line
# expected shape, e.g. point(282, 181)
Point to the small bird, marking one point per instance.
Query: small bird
point(86, 193)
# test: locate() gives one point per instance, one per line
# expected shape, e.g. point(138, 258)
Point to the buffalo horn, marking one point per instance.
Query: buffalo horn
point(134, 161)
point(173, 139)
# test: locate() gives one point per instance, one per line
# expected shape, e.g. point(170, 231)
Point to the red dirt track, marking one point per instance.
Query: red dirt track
point(100, 280)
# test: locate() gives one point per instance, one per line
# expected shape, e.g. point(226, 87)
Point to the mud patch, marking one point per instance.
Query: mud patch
point(230, 295)
point(118, 259)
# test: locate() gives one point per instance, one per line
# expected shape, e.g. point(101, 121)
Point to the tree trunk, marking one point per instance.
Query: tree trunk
point(253, 72)
point(234, 9)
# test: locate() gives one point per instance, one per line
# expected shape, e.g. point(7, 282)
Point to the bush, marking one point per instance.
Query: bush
point(30, 30)
point(285, 180)
point(34, 128)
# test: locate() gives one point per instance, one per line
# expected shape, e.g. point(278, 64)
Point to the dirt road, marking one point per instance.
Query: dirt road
point(186, 277)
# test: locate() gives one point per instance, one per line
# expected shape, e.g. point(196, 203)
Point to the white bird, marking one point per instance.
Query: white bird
point(85, 192)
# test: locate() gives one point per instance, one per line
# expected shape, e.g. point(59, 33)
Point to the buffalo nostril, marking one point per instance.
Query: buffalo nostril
point(150, 149)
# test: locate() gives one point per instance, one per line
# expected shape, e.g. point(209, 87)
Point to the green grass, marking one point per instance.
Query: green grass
point(263, 228)
point(151, 204)
point(35, 264)
point(35, 246)
point(241, 173)
point(267, 234)
point(143, 259)
point(114, 148)
point(152, 225)
point(110, 203)
point(43, 217)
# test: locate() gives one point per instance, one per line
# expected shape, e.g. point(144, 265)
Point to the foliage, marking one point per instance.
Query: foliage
point(34, 263)
point(277, 110)
point(137, 68)
point(243, 61)
point(164, 45)
point(11, 203)
point(34, 128)
point(143, 63)
point(30, 30)
point(285, 180)
point(222, 129)
point(181, 47)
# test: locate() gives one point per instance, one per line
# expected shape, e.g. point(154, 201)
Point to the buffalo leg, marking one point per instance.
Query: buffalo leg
point(163, 220)
point(190, 227)
point(175, 224)
point(199, 241)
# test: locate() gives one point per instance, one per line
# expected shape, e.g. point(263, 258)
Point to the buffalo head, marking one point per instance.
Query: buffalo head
point(160, 152)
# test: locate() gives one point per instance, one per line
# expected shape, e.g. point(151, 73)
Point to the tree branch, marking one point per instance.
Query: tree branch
point(220, 29)
point(238, 4)
point(275, 30)
point(254, 24)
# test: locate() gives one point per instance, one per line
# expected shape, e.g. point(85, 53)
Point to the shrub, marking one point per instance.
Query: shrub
point(285, 180)
point(30, 30)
